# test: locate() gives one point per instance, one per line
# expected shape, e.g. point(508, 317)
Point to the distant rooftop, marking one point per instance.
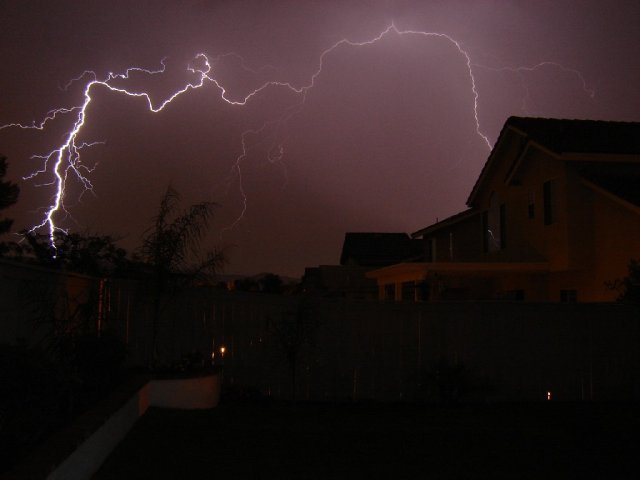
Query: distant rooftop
point(446, 221)
point(378, 249)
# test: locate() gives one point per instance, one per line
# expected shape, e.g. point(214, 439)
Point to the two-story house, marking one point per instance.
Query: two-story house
point(553, 216)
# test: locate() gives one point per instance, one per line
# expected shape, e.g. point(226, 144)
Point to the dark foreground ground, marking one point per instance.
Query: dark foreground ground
point(273, 440)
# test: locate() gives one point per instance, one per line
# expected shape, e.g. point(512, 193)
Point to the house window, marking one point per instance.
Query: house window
point(408, 292)
point(390, 291)
point(549, 192)
point(568, 296)
point(422, 291)
point(531, 205)
point(514, 295)
point(503, 226)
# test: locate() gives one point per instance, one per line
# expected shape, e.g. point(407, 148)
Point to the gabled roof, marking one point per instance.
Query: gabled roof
point(378, 249)
point(562, 136)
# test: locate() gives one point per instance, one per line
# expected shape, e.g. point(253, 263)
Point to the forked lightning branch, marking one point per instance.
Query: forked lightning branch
point(64, 161)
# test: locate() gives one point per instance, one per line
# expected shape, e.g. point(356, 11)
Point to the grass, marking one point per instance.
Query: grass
point(277, 440)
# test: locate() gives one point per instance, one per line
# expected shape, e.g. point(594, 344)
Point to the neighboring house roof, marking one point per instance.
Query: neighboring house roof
point(445, 222)
point(562, 136)
point(378, 249)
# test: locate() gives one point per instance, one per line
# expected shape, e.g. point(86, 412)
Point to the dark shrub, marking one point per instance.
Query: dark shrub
point(446, 383)
point(36, 396)
point(98, 361)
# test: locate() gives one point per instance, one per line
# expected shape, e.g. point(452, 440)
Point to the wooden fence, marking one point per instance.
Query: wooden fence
point(356, 349)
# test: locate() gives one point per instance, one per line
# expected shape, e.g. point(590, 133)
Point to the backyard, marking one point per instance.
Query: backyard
point(263, 439)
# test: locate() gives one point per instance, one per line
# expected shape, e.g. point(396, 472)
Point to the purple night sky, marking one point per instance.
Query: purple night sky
point(384, 141)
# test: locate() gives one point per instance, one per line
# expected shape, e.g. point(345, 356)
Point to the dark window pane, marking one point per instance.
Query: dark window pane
point(549, 202)
point(408, 291)
point(503, 226)
point(390, 291)
point(531, 208)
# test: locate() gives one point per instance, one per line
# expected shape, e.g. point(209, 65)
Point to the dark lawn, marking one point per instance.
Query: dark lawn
point(546, 440)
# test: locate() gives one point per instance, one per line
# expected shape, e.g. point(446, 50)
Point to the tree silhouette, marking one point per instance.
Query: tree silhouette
point(246, 284)
point(630, 285)
point(95, 255)
point(271, 283)
point(171, 248)
point(8, 195)
point(294, 334)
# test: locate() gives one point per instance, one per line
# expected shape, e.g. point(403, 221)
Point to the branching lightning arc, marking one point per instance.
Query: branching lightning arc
point(65, 160)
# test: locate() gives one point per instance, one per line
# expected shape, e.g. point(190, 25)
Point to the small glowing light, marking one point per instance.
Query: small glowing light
point(222, 350)
point(213, 355)
point(548, 395)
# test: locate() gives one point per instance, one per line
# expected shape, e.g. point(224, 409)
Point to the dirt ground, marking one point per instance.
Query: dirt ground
point(373, 440)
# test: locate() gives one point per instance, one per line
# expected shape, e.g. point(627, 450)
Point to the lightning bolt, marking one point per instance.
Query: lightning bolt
point(520, 71)
point(64, 161)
